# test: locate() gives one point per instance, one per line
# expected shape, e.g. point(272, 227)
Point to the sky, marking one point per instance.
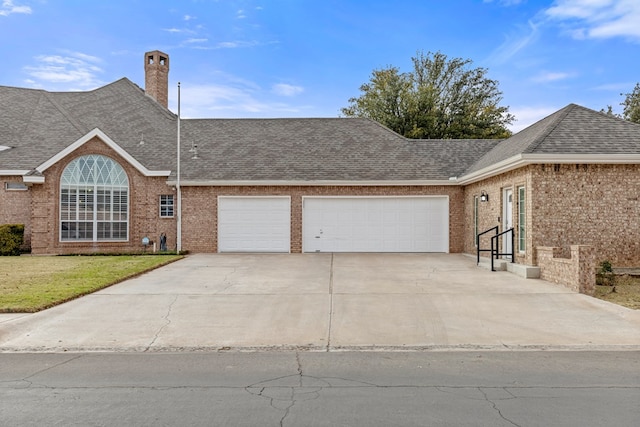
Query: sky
point(307, 58)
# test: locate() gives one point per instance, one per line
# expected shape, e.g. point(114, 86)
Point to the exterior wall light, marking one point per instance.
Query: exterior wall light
point(484, 197)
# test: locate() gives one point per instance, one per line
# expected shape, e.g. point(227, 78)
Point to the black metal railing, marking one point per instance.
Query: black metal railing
point(495, 245)
point(495, 230)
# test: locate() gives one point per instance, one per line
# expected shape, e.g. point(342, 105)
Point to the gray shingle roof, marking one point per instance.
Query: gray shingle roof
point(573, 130)
point(37, 125)
point(316, 149)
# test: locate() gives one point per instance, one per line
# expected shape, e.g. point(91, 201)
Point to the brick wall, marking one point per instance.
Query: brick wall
point(596, 205)
point(490, 213)
point(199, 204)
point(144, 217)
point(577, 271)
point(199, 219)
point(16, 207)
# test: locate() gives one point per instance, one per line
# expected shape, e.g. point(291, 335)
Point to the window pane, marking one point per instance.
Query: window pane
point(522, 235)
point(475, 219)
point(85, 230)
point(68, 199)
point(119, 230)
point(93, 193)
point(166, 205)
point(67, 230)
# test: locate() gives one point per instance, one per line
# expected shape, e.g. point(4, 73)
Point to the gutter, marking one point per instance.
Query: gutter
point(521, 160)
point(318, 183)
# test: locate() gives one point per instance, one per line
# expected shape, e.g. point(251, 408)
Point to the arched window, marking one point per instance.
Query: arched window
point(94, 200)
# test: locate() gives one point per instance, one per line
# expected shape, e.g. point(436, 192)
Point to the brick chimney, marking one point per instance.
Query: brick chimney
point(156, 76)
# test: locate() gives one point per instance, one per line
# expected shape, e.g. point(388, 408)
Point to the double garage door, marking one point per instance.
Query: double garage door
point(335, 224)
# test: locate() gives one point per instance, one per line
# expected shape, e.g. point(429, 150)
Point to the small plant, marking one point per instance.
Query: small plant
point(605, 275)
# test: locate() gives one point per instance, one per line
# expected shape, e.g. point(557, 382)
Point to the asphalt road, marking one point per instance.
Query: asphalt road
point(321, 389)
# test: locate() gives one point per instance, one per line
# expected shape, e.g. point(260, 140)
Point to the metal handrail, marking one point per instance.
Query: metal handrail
point(495, 253)
point(495, 245)
point(478, 243)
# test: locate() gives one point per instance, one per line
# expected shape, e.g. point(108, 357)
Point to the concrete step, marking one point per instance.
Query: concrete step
point(522, 270)
point(498, 264)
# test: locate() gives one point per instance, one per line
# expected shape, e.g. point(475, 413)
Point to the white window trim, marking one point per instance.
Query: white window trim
point(15, 186)
point(161, 205)
point(522, 219)
point(476, 220)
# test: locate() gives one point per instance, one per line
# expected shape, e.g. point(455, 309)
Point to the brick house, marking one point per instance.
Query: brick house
point(97, 171)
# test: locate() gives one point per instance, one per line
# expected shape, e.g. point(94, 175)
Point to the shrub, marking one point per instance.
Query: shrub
point(11, 238)
point(605, 275)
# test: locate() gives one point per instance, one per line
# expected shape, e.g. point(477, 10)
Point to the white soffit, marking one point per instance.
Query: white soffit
point(521, 160)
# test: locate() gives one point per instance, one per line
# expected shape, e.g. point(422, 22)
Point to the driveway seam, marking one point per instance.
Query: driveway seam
point(330, 303)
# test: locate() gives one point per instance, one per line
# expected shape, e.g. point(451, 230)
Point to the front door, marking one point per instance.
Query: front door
point(507, 220)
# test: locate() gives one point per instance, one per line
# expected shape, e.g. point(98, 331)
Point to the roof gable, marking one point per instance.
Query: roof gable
point(574, 134)
point(86, 138)
point(39, 125)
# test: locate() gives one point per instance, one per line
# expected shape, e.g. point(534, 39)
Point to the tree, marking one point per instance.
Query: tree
point(609, 111)
point(631, 105)
point(441, 98)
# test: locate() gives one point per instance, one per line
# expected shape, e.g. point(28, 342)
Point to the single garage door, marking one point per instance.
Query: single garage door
point(254, 224)
point(376, 224)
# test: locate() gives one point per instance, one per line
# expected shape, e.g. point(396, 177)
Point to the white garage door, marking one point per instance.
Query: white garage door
point(376, 224)
point(254, 224)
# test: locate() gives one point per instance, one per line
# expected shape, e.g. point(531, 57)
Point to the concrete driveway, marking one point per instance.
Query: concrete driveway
point(325, 302)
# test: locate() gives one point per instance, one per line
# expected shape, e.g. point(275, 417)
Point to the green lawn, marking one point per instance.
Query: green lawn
point(33, 283)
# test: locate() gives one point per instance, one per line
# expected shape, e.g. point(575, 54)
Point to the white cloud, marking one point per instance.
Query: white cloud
point(8, 8)
point(188, 17)
point(196, 41)
point(178, 30)
point(73, 70)
point(232, 99)
point(598, 18)
point(526, 116)
point(284, 89)
point(236, 44)
point(546, 77)
point(614, 87)
point(515, 43)
point(85, 57)
point(505, 2)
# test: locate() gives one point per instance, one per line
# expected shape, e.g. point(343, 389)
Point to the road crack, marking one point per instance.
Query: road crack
point(495, 405)
point(167, 323)
point(285, 392)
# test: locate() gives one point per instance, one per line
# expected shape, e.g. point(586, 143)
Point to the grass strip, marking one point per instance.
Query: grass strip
point(33, 283)
point(626, 292)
